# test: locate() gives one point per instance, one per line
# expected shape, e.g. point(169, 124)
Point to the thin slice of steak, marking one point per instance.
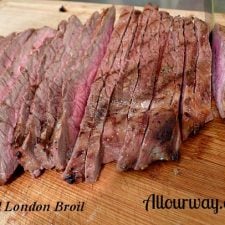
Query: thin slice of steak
point(143, 93)
point(162, 137)
point(188, 104)
point(35, 67)
point(12, 93)
point(30, 147)
point(218, 47)
point(94, 155)
point(116, 122)
point(196, 96)
point(203, 85)
point(107, 76)
point(76, 88)
point(59, 135)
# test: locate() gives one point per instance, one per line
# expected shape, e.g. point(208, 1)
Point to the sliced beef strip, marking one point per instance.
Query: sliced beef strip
point(35, 66)
point(94, 155)
point(143, 93)
point(8, 116)
point(51, 87)
point(33, 45)
point(107, 76)
point(55, 104)
point(29, 149)
point(75, 39)
point(116, 122)
point(196, 96)
point(218, 47)
point(162, 137)
point(188, 100)
point(203, 75)
point(13, 90)
point(76, 89)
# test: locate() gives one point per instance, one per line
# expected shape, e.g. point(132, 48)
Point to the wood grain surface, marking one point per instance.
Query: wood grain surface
point(117, 198)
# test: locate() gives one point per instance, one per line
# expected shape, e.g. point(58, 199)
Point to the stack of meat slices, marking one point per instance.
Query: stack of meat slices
point(89, 94)
point(152, 90)
point(45, 82)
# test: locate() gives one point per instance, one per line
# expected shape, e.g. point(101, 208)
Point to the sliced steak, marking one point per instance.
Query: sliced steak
point(76, 88)
point(196, 96)
point(218, 47)
point(54, 108)
point(32, 139)
point(143, 93)
point(116, 123)
point(35, 67)
point(12, 90)
point(162, 137)
point(54, 126)
point(92, 123)
point(94, 155)
point(188, 100)
point(203, 75)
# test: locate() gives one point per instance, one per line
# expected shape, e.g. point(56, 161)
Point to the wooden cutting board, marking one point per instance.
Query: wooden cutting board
point(117, 198)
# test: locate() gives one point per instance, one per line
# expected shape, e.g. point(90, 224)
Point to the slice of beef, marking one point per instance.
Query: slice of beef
point(203, 75)
point(188, 100)
point(12, 90)
point(218, 47)
point(36, 66)
point(116, 122)
point(51, 87)
point(75, 49)
point(76, 89)
point(196, 96)
point(162, 137)
point(54, 126)
point(94, 152)
point(30, 139)
point(107, 76)
point(76, 39)
point(143, 93)
point(8, 115)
